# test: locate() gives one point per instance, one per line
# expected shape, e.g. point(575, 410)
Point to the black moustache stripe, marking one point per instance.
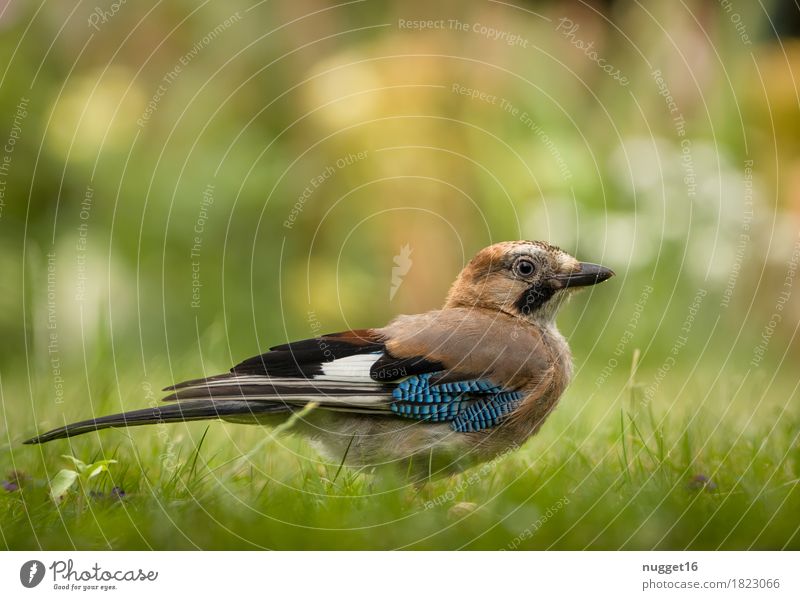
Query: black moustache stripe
point(534, 297)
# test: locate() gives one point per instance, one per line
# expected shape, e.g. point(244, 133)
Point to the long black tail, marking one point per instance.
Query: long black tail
point(169, 413)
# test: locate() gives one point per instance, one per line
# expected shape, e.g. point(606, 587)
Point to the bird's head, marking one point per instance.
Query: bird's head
point(529, 280)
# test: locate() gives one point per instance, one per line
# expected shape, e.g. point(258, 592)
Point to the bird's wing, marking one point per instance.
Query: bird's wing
point(331, 370)
point(355, 371)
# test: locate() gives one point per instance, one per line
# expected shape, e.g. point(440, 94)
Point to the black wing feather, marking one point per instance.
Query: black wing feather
point(304, 358)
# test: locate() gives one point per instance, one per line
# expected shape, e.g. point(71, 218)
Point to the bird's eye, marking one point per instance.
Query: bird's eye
point(524, 267)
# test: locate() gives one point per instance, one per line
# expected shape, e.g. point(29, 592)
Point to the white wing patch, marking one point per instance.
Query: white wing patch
point(351, 369)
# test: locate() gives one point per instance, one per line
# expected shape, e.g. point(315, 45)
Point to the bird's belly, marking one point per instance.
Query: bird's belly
point(420, 449)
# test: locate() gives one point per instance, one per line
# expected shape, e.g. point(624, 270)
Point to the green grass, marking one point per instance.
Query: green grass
point(607, 471)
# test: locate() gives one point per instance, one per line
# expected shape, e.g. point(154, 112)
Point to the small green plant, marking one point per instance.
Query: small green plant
point(66, 479)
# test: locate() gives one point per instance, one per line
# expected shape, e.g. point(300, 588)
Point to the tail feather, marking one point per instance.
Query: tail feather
point(173, 413)
point(342, 384)
point(263, 388)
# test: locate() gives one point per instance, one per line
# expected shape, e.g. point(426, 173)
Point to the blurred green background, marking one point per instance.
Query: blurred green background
point(186, 184)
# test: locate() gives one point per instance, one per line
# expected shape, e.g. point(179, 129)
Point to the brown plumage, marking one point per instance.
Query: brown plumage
point(487, 369)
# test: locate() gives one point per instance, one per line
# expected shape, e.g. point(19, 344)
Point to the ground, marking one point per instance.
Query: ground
point(604, 473)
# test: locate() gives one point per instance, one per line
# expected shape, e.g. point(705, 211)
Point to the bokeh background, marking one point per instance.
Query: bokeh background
point(186, 184)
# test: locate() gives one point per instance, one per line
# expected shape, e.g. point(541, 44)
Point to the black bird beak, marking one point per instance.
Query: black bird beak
point(589, 274)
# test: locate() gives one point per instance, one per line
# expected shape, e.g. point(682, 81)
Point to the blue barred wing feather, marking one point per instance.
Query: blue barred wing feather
point(469, 405)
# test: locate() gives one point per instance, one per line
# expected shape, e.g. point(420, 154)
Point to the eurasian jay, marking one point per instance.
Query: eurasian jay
point(443, 389)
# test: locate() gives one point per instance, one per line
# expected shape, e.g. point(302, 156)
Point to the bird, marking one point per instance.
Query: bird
point(437, 391)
